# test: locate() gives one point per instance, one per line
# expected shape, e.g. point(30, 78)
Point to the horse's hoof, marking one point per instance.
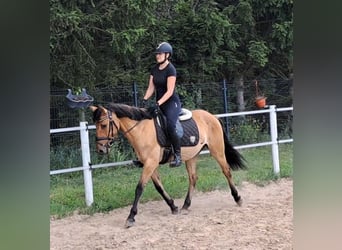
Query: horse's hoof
point(175, 211)
point(129, 223)
point(239, 202)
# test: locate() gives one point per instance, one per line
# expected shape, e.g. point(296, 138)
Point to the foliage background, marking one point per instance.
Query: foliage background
point(108, 43)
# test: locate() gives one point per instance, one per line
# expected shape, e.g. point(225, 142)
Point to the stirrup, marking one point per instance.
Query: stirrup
point(138, 163)
point(177, 161)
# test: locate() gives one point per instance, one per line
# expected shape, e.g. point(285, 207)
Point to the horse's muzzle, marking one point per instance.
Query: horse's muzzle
point(103, 149)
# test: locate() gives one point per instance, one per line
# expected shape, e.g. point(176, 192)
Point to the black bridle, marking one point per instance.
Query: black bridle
point(110, 137)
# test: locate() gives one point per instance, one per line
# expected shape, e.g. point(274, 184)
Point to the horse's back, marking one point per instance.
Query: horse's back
point(207, 123)
point(203, 116)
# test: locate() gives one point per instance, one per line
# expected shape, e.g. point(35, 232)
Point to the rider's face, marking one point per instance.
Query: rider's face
point(160, 57)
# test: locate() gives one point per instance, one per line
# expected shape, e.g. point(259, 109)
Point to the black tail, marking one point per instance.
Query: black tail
point(234, 158)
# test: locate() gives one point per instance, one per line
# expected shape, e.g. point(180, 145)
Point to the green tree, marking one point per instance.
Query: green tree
point(106, 43)
point(262, 41)
point(72, 31)
point(198, 30)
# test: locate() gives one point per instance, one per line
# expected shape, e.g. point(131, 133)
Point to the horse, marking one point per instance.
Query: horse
point(137, 125)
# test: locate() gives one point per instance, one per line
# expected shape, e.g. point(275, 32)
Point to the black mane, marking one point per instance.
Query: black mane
point(134, 113)
point(96, 115)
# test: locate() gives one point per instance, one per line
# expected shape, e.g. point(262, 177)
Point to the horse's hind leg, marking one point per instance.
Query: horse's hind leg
point(234, 192)
point(221, 159)
point(191, 168)
point(159, 186)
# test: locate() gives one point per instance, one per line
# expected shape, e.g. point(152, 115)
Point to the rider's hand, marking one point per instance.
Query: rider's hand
point(154, 109)
point(143, 103)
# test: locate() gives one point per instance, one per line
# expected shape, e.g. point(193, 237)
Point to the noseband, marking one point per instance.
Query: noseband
point(110, 137)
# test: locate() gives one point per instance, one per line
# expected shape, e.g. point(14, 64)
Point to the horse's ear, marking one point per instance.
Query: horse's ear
point(92, 108)
point(102, 108)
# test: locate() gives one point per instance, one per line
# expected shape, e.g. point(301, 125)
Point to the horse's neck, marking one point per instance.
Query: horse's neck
point(126, 125)
point(135, 131)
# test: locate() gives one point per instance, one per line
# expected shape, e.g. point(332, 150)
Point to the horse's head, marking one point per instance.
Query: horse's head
point(107, 128)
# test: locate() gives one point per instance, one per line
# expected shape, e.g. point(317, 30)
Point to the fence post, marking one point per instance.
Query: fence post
point(135, 94)
point(274, 138)
point(87, 176)
point(225, 102)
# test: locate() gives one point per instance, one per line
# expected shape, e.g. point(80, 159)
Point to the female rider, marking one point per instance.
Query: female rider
point(162, 81)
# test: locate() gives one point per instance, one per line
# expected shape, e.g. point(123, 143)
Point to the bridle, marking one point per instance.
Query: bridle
point(110, 137)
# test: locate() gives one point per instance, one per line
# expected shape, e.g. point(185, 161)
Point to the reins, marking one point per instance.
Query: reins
point(129, 130)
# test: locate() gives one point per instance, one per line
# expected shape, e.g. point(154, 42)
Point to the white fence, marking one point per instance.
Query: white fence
point(87, 166)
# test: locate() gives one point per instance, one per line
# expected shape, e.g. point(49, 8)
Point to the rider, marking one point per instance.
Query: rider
point(162, 81)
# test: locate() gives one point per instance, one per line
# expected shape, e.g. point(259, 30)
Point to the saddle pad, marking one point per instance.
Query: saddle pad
point(190, 137)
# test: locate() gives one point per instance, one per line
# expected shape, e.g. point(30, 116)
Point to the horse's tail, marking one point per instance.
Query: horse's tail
point(234, 158)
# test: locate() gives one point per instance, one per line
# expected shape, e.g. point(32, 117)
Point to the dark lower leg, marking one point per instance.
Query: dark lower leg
point(191, 169)
point(187, 202)
point(138, 163)
point(166, 197)
point(134, 210)
point(234, 193)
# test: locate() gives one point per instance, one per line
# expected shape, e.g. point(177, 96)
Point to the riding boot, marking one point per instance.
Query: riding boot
point(177, 160)
point(175, 141)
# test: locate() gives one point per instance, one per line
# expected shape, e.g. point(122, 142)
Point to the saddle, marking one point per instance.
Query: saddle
point(186, 129)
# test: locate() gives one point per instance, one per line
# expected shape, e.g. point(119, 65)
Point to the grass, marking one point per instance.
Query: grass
point(115, 187)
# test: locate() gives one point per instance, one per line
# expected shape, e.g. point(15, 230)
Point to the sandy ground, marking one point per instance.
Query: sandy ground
point(214, 221)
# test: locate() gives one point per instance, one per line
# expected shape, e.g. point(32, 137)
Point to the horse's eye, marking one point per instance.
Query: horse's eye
point(103, 126)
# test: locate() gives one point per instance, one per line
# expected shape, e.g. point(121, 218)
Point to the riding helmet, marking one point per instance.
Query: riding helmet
point(164, 47)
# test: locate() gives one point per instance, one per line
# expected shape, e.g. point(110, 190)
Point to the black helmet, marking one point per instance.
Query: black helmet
point(164, 47)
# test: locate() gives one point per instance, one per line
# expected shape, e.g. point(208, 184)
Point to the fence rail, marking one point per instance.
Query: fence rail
point(86, 161)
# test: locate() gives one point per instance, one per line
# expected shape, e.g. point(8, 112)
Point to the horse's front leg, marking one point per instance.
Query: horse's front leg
point(159, 186)
point(148, 169)
point(134, 210)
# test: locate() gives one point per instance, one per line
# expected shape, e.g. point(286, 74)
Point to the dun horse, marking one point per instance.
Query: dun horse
point(138, 127)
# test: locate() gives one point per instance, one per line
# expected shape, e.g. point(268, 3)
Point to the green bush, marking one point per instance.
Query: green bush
point(247, 130)
point(63, 157)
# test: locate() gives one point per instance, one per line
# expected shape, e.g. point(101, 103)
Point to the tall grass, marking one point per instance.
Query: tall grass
point(115, 187)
